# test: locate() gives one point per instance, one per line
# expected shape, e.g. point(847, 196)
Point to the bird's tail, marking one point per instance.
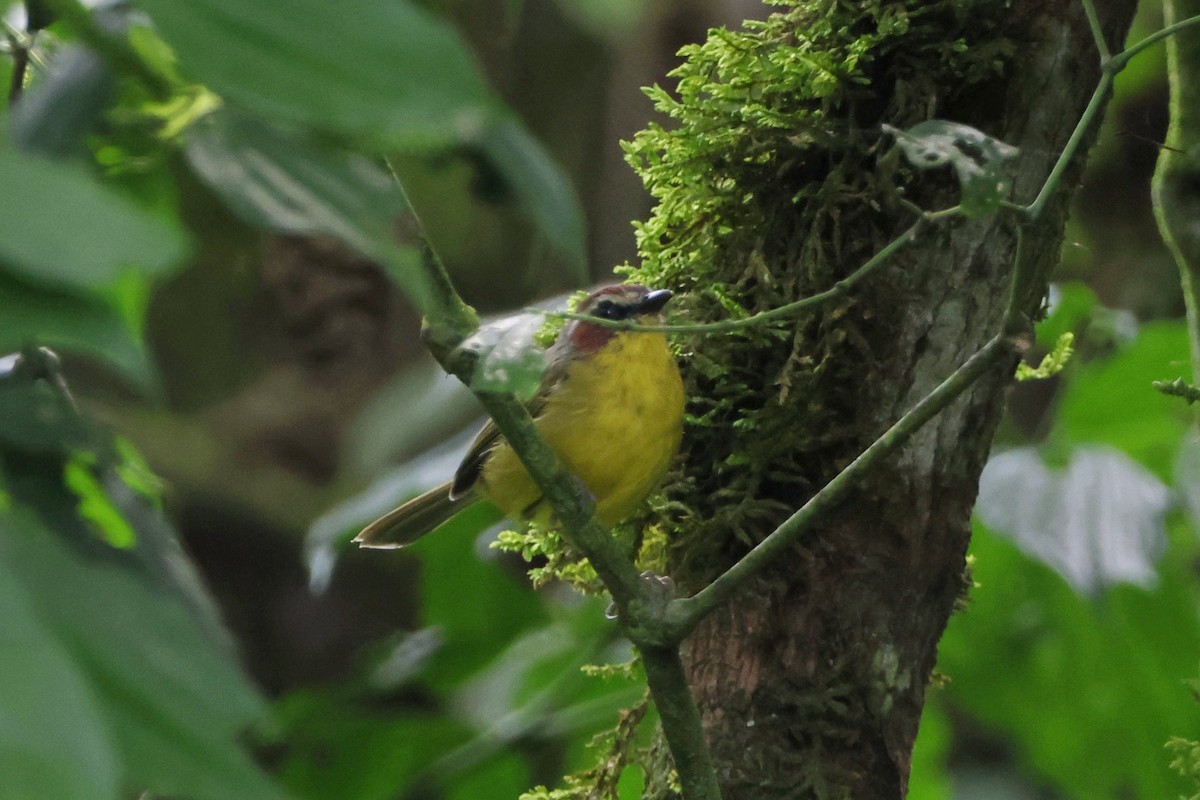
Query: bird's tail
point(404, 525)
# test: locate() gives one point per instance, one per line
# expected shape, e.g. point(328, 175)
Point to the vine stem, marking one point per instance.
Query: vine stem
point(1109, 66)
point(1175, 198)
point(840, 288)
point(683, 615)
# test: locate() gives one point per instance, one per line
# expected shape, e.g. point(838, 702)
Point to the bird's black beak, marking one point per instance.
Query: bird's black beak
point(653, 302)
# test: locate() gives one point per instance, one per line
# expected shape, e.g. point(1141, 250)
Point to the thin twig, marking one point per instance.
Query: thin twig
point(1109, 68)
point(1097, 31)
point(1120, 60)
point(840, 288)
point(1035, 209)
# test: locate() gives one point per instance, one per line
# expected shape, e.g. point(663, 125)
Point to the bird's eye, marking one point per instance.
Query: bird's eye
point(607, 309)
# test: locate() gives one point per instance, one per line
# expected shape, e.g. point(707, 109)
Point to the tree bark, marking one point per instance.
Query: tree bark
point(811, 682)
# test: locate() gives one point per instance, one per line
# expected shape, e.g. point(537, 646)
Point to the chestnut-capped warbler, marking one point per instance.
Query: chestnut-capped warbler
point(610, 404)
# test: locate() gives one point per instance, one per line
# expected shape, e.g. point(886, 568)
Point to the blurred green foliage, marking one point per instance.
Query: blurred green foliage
point(118, 675)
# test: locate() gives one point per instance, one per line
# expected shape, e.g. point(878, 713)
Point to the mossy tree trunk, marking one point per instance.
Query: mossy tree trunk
point(773, 183)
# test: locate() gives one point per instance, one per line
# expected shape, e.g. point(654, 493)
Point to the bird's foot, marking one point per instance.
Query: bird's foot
point(661, 589)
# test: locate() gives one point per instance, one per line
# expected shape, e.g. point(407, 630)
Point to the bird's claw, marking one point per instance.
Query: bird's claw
point(660, 591)
point(661, 587)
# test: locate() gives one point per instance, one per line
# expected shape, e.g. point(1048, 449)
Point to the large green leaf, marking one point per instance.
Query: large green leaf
point(1077, 681)
point(284, 180)
point(53, 738)
point(60, 228)
point(386, 71)
point(170, 698)
point(478, 606)
point(339, 751)
point(388, 74)
point(149, 673)
point(56, 115)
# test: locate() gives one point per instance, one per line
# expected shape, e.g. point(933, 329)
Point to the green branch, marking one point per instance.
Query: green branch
point(1174, 187)
point(1034, 210)
point(1097, 32)
point(680, 722)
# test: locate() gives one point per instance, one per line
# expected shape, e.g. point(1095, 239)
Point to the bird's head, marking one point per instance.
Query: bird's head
point(626, 301)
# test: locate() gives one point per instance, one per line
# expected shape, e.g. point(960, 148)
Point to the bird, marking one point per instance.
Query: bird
point(611, 406)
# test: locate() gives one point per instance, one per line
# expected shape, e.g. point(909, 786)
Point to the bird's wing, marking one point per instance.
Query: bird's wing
point(471, 467)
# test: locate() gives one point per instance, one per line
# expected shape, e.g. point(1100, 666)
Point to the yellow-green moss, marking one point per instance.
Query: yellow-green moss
point(771, 183)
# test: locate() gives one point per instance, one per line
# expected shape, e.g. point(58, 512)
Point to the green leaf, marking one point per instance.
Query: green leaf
point(479, 606)
point(95, 507)
point(286, 181)
point(72, 322)
point(141, 635)
point(1074, 680)
point(389, 72)
point(36, 419)
point(978, 160)
point(53, 737)
point(60, 228)
point(55, 116)
point(509, 359)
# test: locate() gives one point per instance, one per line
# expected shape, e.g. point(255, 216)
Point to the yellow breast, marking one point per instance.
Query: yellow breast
point(615, 419)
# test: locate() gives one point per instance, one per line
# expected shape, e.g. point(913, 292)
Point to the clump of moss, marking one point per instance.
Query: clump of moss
point(770, 181)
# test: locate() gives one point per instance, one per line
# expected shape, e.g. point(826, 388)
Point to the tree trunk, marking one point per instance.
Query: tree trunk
point(811, 682)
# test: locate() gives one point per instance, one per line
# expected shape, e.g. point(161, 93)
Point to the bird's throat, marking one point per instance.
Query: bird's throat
point(589, 338)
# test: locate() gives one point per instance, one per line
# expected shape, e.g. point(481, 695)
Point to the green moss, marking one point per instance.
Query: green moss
point(772, 183)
